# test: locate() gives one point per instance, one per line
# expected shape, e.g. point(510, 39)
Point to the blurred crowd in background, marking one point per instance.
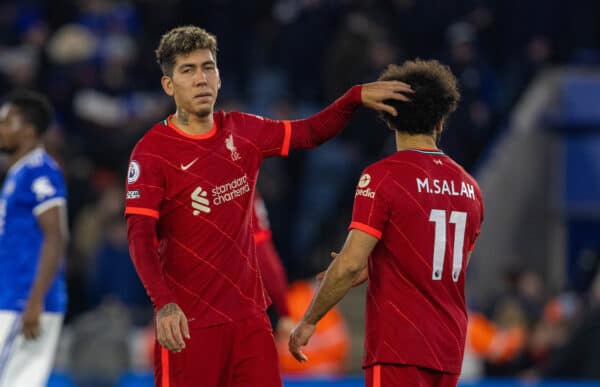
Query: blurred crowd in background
point(282, 59)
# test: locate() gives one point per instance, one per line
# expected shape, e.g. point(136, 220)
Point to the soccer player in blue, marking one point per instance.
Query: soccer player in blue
point(33, 235)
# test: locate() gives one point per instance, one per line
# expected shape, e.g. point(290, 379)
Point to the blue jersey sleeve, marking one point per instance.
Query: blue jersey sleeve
point(47, 188)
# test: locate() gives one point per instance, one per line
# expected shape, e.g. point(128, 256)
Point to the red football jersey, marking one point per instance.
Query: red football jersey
point(269, 262)
point(427, 212)
point(200, 189)
point(260, 219)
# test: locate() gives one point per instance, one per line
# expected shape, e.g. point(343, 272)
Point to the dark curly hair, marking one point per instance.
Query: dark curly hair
point(435, 95)
point(33, 107)
point(181, 41)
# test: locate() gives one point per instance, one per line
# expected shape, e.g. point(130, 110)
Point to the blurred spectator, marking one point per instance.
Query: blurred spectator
point(491, 343)
point(88, 231)
point(577, 355)
point(99, 348)
point(328, 347)
point(112, 277)
point(471, 125)
point(515, 314)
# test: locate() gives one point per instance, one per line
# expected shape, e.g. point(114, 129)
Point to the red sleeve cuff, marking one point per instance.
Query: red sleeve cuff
point(365, 228)
point(141, 211)
point(287, 137)
point(356, 94)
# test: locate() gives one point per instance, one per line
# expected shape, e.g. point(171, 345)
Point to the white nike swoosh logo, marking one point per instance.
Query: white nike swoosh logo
point(187, 166)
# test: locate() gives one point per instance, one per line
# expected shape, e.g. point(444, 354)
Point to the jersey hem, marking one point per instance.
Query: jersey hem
point(366, 365)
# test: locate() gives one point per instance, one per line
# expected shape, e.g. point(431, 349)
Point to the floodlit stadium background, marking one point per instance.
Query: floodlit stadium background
point(528, 127)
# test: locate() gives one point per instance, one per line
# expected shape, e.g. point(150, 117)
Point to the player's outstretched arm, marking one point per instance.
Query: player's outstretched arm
point(340, 277)
point(53, 223)
point(329, 122)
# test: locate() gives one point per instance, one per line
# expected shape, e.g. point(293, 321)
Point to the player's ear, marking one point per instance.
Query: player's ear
point(219, 78)
point(167, 85)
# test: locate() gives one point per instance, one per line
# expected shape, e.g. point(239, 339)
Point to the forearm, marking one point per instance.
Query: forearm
point(141, 234)
point(52, 251)
point(316, 129)
point(338, 280)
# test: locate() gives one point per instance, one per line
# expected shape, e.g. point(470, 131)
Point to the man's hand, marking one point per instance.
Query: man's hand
point(373, 94)
point(31, 319)
point(172, 327)
point(299, 338)
point(364, 275)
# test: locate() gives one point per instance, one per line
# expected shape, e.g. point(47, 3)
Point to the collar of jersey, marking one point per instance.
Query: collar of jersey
point(427, 151)
point(209, 134)
point(19, 163)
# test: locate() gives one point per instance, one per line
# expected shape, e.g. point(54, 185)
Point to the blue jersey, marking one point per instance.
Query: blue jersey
point(32, 185)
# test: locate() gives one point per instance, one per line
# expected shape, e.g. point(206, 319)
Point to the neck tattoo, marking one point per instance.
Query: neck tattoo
point(183, 117)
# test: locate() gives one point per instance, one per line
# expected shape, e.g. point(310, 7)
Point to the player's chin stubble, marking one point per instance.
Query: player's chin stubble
point(203, 113)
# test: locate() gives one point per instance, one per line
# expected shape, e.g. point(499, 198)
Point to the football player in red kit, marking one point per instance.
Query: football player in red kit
point(190, 186)
point(272, 270)
point(416, 217)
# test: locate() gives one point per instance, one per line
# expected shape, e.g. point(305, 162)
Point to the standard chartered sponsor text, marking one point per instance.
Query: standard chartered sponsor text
point(230, 190)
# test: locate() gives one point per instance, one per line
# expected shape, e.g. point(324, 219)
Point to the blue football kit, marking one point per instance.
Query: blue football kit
point(32, 185)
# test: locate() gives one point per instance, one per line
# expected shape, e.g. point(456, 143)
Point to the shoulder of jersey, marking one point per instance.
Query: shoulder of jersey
point(49, 160)
point(380, 166)
point(235, 114)
point(39, 159)
point(236, 117)
point(149, 138)
point(373, 173)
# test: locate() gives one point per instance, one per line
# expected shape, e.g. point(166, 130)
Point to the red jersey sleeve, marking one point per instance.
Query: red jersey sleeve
point(270, 136)
point(371, 210)
point(271, 268)
point(276, 138)
point(273, 274)
point(328, 123)
point(145, 184)
point(141, 235)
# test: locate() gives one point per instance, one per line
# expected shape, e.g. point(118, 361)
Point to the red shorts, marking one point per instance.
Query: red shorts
point(241, 353)
point(397, 375)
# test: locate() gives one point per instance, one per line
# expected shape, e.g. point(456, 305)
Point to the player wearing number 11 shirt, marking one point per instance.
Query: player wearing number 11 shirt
point(416, 217)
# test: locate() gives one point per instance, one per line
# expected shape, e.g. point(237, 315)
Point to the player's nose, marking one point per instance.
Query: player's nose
point(200, 78)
